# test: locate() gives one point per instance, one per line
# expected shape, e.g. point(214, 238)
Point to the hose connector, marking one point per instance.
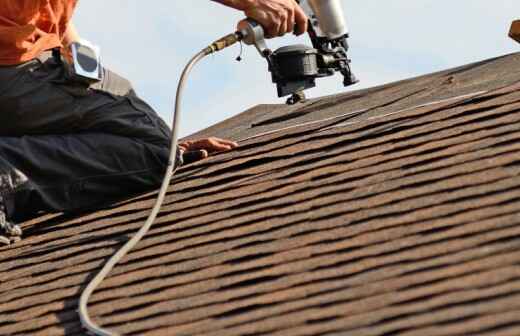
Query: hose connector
point(223, 43)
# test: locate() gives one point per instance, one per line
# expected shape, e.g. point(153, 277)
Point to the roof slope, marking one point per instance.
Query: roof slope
point(389, 211)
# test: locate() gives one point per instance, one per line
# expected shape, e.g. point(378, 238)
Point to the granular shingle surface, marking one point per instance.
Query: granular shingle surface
point(388, 211)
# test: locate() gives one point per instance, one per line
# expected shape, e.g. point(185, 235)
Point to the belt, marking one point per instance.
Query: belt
point(55, 54)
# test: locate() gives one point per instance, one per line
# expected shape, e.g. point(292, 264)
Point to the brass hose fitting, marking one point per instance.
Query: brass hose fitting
point(224, 42)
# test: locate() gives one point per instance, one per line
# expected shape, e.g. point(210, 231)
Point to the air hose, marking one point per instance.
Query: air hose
point(87, 323)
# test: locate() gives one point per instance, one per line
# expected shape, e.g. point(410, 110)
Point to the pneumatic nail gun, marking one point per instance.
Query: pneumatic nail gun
point(295, 68)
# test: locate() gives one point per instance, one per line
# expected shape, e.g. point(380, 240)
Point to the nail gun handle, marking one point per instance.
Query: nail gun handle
point(253, 34)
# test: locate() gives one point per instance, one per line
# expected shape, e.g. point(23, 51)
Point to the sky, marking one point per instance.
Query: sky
point(150, 42)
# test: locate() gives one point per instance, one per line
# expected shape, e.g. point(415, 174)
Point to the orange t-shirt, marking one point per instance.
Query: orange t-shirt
point(29, 27)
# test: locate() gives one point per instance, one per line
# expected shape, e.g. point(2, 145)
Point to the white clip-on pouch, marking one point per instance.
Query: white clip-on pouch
point(86, 62)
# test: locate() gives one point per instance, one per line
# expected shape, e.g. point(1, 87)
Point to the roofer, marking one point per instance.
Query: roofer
point(67, 146)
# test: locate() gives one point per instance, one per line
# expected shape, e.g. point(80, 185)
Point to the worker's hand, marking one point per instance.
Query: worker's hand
point(276, 16)
point(195, 150)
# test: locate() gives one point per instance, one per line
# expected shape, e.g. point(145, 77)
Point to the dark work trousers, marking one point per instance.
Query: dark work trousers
point(79, 147)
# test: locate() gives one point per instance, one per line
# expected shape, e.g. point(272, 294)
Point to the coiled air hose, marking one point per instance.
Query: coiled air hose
point(83, 310)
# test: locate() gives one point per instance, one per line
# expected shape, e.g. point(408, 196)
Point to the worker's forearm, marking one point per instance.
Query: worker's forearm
point(71, 35)
point(237, 4)
point(277, 17)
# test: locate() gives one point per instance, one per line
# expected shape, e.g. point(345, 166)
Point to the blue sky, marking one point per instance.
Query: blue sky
point(149, 42)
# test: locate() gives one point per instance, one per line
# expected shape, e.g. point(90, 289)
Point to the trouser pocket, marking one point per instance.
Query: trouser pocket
point(36, 103)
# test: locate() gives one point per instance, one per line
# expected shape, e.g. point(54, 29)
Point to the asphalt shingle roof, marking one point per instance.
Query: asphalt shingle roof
point(388, 211)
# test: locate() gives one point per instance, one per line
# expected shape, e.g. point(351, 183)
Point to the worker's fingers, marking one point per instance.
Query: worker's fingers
point(265, 19)
point(291, 22)
point(229, 143)
point(218, 145)
point(4, 241)
point(277, 17)
point(301, 21)
point(185, 145)
point(211, 145)
point(273, 26)
point(284, 22)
